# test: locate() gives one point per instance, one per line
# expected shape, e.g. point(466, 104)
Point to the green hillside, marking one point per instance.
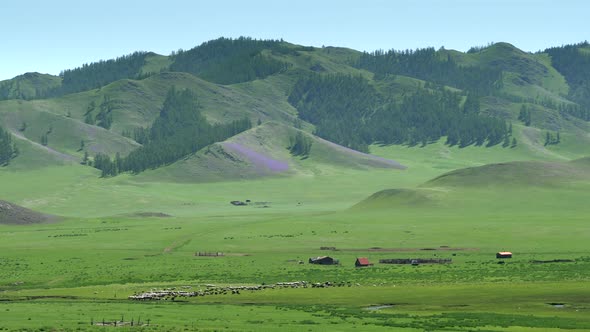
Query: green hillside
point(264, 151)
point(520, 174)
point(512, 186)
point(12, 214)
point(397, 106)
point(28, 86)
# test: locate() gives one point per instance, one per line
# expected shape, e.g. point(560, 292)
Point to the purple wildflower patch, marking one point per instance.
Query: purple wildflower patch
point(259, 160)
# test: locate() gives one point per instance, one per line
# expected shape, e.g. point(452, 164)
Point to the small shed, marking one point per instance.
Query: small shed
point(361, 262)
point(504, 254)
point(323, 260)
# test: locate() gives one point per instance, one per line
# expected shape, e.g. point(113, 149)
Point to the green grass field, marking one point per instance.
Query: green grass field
point(73, 274)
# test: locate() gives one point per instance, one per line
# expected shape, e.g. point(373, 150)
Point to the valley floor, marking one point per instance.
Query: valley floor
point(124, 236)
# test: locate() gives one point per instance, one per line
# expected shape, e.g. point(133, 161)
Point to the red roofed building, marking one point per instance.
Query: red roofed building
point(362, 261)
point(504, 254)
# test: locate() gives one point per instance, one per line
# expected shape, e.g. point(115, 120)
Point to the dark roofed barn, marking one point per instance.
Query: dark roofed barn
point(323, 260)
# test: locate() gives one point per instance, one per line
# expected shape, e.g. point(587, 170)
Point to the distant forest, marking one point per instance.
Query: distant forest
point(429, 65)
point(349, 111)
point(574, 65)
point(95, 75)
point(90, 76)
point(228, 61)
point(179, 130)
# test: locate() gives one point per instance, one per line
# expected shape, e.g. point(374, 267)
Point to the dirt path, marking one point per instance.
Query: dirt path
point(55, 153)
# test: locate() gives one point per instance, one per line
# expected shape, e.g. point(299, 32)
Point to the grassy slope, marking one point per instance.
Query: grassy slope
point(27, 85)
point(527, 76)
point(17, 215)
point(266, 154)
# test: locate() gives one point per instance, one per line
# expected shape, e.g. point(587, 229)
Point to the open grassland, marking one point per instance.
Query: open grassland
point(127, 235)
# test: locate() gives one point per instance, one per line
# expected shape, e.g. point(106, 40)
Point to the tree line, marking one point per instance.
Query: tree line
point(348, 110)
point(179, 130)
point(87, 77)
point(97, 74)
point(574, 65)
point(8, 149)
point(228, 61)
point(104, 116)
point(434, 66)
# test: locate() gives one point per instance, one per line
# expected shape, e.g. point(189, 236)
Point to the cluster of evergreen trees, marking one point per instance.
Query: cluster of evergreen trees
point(552, 139)
point(575, 110)
point(524, 115)
point(89, 76)
point(104, 117)
point(8, 149)
point(300, 145)
point(428, 115)
point(97, 74)
point(349, 111)
point(430, 65)
point(337, 105)
point(179, 130)
point(574, 65)
point(227, 61)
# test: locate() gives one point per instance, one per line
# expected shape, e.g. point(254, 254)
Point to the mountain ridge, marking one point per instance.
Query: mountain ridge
point(528, 80)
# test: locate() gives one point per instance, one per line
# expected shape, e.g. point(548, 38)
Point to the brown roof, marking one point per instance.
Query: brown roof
point(363, 261)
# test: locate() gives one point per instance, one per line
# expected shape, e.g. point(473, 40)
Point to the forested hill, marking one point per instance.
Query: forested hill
point(144, 110)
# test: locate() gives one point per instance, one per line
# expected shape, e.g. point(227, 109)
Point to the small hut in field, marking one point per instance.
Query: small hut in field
point(323, 260)
point(362, 262)
point(504, 254)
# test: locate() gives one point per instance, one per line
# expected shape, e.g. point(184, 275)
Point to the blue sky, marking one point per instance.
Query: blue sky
point(48, 36)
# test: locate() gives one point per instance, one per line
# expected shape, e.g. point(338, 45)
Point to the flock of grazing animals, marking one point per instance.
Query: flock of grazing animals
point(173, 293)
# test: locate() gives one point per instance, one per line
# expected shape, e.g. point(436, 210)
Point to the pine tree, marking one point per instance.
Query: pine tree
point(85, 158)
point(513, 145)
point(8, 149)
point(300, 145)
point(89, 119)
point(506, 141)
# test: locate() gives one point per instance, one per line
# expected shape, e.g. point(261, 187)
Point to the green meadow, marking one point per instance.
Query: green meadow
point(130, 234)
point(173, 228)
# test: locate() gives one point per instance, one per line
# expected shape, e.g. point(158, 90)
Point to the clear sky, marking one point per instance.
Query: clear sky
point(50, 35)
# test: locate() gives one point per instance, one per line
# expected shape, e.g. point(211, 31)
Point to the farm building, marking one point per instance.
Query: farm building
point(362, 261)
point(323, 260)
point(504, 254)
